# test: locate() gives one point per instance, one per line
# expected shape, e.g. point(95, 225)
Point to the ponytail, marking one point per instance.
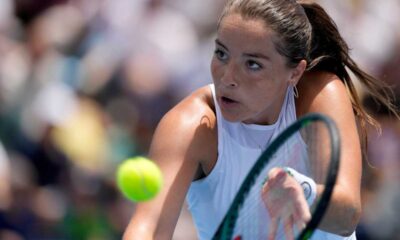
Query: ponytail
point(329, 52)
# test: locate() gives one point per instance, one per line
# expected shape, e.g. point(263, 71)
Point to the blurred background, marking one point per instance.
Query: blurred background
point(83, 83)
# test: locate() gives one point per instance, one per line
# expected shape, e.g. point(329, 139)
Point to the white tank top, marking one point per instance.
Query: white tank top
point(239, 146)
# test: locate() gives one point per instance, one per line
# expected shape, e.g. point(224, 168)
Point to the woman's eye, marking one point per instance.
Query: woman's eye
point(221, 55)
point(253, 65)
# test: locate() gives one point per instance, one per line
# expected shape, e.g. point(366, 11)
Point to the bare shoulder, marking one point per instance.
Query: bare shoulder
point(194, 107)
point(321, 92)
point(193, 112)
point(189, 129)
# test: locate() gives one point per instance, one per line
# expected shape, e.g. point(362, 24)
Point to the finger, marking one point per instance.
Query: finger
point(273, 228)
point(280, 175)
point(300, 219)
point(276, 176)
point(299, 223)
point(300, 226)
point(271, 174)
point(274, 171)
point(288, 228)
point(302, 209)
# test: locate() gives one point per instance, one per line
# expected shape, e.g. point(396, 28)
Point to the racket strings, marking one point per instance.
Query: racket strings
point(254, 220)
point(302, 152)
point(318, 150)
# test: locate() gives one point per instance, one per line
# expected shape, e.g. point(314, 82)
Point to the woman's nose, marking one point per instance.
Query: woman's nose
point(229, 77)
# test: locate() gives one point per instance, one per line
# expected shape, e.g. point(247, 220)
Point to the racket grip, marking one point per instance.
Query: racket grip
point(308, 184)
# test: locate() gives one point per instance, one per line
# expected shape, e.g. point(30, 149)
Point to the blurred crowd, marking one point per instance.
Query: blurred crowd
point(84, 83)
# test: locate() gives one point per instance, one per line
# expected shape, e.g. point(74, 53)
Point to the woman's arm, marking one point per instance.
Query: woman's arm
point(326, 93)
point(181, 142)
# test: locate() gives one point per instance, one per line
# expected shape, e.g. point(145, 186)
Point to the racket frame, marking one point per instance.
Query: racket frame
point(225, 229)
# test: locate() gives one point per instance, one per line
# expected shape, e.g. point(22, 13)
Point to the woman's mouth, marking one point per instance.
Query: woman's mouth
point(227, 102)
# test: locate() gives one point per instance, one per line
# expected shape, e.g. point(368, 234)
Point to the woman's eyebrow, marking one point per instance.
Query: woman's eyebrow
point(257, 55)
point(253, 55)
point(218, 42)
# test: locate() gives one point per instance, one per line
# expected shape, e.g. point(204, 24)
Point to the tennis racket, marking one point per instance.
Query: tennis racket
point(311, 146)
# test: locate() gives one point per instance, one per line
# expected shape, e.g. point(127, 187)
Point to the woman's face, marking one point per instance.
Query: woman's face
point(250, 76)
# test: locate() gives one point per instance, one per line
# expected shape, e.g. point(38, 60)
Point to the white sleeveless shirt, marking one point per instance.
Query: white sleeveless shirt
point(239, 146)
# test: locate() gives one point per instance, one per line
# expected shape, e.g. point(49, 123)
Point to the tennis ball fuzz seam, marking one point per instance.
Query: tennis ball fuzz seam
point(143, 182)
point(139, 179)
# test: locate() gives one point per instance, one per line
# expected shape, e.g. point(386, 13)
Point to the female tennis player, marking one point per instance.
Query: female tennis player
point(274, 61)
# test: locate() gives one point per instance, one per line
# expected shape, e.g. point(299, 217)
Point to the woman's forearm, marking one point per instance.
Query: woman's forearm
point(343, 212)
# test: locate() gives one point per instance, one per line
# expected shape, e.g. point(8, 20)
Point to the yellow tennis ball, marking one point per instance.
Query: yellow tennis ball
point(139, 179)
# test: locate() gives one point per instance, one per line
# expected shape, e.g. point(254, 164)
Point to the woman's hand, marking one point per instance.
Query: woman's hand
point(284, 199)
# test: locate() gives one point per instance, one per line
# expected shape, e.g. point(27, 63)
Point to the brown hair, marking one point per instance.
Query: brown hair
point(307, 32)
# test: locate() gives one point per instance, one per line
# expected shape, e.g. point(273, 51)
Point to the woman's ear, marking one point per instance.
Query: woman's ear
point(297, 72)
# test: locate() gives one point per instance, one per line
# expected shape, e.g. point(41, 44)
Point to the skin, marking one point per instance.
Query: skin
point(250, 79)
point(246, 63)
point(294, 210)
